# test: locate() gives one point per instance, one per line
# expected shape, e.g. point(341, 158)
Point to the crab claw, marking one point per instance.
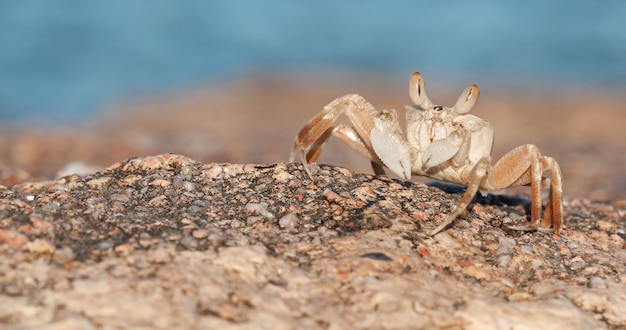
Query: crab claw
point(389, 145)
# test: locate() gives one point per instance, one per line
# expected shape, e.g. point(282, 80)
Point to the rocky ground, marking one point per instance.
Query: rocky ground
point(167, 241)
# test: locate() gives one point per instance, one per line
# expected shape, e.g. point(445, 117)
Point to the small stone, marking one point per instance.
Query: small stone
point(478, 273)
point(61, 285)
point(120, 198)
point(145, 242)
point(40, 247)
point(50, 207)
point(253, 219)
point(12, 290)
point(446, 240)
point(189, 186)
point(282, 177)
point(189, 242)
point(260, 209)
point(377, 256)
point(288, 221)
point(160, 256)
point(123, 248)
point(160, 183)
point(12, 239)
point(104, 245)
point(63, 255)
point(503, 260)
point(506, 245)
point(519, 296)
point(200, 233)
point(214, 172)
point(606, 226)
point(99, 182)
point(216, 239)
point(159, 201)
point(332, 196)
point(597, 282)
point(40, 225)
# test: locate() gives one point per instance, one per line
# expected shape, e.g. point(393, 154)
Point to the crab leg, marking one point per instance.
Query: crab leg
point(478, 173)
point(349, 136)
point(310, 140)
point(554, 208)
point(525, 165)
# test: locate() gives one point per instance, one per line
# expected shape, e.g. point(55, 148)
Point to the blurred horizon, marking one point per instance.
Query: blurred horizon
point(67, 60)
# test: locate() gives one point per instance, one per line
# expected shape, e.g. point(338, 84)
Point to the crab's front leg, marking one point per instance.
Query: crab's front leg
point(476, 177)
point(311, 138)
point(454, 150)
point(525, 165)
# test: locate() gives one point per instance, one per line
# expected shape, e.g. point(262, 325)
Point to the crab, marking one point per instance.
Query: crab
point(443, 143)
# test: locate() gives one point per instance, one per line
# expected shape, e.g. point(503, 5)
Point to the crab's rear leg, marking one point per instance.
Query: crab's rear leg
point(522, 166)
point(311, 138)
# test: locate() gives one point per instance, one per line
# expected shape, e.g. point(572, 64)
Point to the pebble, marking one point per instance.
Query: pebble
point(189, 242)
point(160, 256)
point(12, 290)
point(503, 260)
point(216, 239)
point(63, 255)
point(123, 248)
point(61, 285)
point(98, 183)
point(253, 219)
point(259, 208)
point(120, 198)
point(40, 247)
point(214, 172)
point(506, 245)
point(104, 245)
point(160, 183)
point(12, 239)
point(50, 207)
point(200, 233)
point(519, 296)
point(159, 201)
point(597, 282)
point(332, 196)
point(282, 177)
point(189, 186)
point(288, 221)
point(446, 240)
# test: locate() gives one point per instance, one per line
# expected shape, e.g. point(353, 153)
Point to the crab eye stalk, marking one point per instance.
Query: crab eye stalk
point(417, 93)
point(467, 100)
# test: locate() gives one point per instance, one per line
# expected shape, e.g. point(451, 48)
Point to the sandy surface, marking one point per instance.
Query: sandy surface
point(174, 241)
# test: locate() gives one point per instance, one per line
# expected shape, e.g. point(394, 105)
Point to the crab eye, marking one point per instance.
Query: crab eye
point(438, 108)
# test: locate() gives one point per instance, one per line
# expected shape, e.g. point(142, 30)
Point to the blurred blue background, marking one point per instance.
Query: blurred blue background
point(63, 60)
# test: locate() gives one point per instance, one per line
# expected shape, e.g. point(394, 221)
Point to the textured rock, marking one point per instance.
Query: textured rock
point(168, 242)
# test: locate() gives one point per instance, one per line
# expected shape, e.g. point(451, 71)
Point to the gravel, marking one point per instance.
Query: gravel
point(169, 242)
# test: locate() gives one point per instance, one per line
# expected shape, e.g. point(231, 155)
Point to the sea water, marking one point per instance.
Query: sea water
point(62, 60)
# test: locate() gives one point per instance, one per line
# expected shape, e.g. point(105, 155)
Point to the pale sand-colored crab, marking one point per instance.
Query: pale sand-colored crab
point(444, 143)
